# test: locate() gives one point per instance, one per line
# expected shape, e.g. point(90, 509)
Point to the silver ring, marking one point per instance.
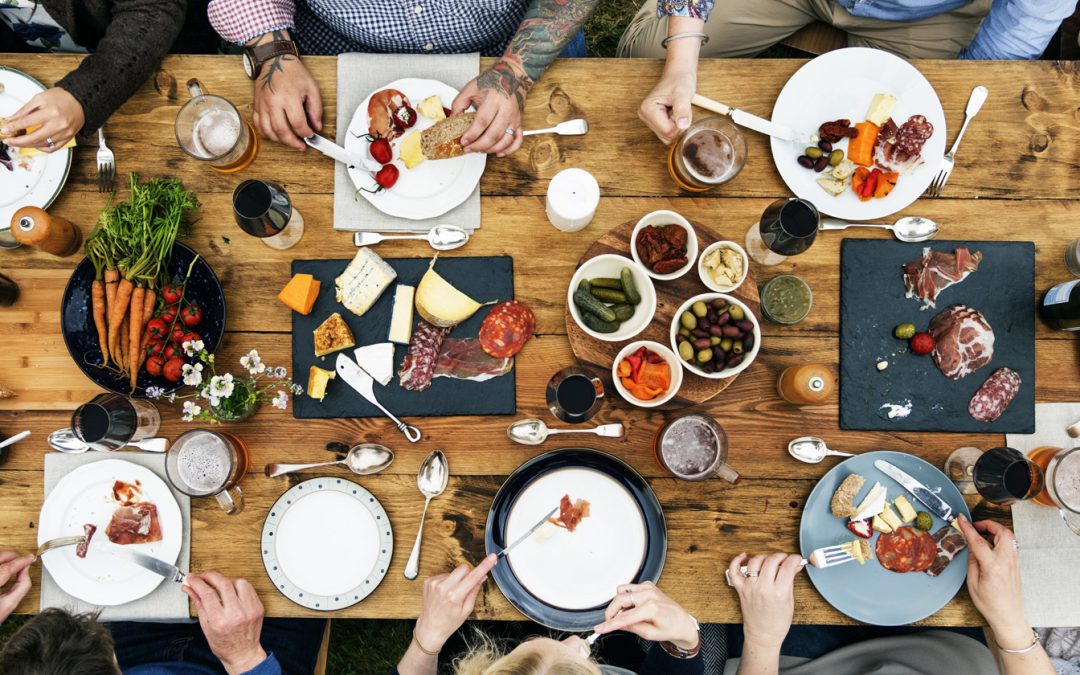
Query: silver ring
point(49, 142)
point(630, 594)
point(1016, 545)
point(753, 573)
point(510, 131)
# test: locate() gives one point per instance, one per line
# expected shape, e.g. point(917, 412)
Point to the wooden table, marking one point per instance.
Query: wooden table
point(1021, 161)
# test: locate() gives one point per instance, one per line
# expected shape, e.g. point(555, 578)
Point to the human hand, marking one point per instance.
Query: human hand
point(13, 566)
point(994, 580)
point(231, 617)
point(768, 599)
point(645, 611)
point(499, 96)
point(55, 113)
point(287, 106)
point(666, 109)
point(448, 599)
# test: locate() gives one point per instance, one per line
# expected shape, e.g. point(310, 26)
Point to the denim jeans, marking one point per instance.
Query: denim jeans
point(575, 49)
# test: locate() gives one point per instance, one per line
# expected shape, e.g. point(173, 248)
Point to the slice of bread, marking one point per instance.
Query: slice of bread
point(442, 140)
point(843, 500)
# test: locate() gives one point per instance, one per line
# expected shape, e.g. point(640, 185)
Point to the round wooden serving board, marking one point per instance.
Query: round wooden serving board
point(670, 295)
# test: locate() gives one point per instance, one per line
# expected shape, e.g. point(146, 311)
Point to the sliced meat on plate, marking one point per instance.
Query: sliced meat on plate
point(905, 549)
point(418, 366)
point(995, 395)
point(570, 513)
point(900, 148)
point(965, 341)
point(948, 542)
point(137, 524)
point(926, 277)
point(88, 531)
point(465, 359)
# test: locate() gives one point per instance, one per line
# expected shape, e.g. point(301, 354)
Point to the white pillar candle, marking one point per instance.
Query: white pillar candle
point(572, 198)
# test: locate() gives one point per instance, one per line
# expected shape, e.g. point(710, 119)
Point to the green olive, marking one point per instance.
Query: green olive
point(684, 332)
point(813, 153)
point(714, 341)
point(688, 320)
point(835, 157)
point(725, 344)
point(737, 347)
point(699, 309)
point(704, 356)
point(737, 313)
point(686, 351)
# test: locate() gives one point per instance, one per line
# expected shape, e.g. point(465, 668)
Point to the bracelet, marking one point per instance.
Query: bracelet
point(679, 653)
point(1034, 643)
point(679, 36)
point(422, 648)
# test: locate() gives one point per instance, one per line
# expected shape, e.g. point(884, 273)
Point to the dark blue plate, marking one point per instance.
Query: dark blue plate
point(81, 338)
point(572, 458)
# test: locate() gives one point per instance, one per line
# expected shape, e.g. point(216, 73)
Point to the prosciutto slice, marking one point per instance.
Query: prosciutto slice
point(926, 277)
point(950, 543)
point(570, 513)
point(137, 524)
point(88, 531)
point(465, 359)
point(965, 341)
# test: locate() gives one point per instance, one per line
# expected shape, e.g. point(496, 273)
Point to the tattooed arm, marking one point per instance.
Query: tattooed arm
point(287, 105)
point(499, 93)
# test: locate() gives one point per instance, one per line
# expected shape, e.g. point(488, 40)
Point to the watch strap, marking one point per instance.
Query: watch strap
point(260, 54)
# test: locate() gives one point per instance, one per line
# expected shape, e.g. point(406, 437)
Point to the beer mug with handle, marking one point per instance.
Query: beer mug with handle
point(205, 463)
point(1061, 468)
point(209, 128)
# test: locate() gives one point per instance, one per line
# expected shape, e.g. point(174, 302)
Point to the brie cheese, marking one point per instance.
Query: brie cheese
point(377, 361)
point(880, 108)
point(363, 281)
point(872, 504)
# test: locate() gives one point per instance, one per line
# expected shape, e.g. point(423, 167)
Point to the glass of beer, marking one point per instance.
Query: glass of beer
point(204, 463)
point(209, 128)
point(710, 153)
point(1061, 489)
point(110, 421)
point(694, 447)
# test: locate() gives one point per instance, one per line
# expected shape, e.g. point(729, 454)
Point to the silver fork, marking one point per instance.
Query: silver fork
point(827, 556)
point(975, 102)
point(59, 542)
point(106, 165)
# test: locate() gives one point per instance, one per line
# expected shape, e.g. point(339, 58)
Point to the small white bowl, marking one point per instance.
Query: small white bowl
point(708, 280)
point(673, 364)
point(748, 358)
point(610, 265)
point(657, 218)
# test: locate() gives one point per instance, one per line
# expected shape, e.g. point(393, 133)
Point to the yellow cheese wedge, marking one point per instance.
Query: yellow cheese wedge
point(410, 152)
point(903, 506)
point(880, 108)
point(439, 303)
point(890, 517)
point(879, 524)
point(432, 108)
point(300, 293)
point(316, 382)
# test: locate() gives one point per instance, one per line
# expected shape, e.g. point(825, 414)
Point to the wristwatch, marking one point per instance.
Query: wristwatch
point(255, 57)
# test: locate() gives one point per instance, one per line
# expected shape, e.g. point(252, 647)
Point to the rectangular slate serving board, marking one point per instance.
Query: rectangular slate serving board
point(872, 304)
point(483, 279)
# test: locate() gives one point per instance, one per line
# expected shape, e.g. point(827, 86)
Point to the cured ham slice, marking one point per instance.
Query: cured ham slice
point(465, 359)
point(926, 277)
point(965, 341)
point(88, 531)
point(570, 513)
point(900, 148)
point(949, 543)
point(136, 524)
point(381, 108)
point(418, 366)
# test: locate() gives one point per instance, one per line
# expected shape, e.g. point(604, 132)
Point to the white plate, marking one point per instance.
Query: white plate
point(434, 186)
point(840, 84)
point(326, 543)
point(610, 265)
point(580, 569)
point(85, 496)
point(40, 181)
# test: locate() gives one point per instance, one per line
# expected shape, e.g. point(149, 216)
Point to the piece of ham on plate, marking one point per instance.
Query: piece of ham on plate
point(965, 341)
point(926, 277)
point(136, 524)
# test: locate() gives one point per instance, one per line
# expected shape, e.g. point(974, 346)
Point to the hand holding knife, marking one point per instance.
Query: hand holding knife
point(758, 124)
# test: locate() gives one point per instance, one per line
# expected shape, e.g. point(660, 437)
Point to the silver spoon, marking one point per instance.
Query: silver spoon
point(65, 440)
point(440, 237)
point(911, 229)
point(567, 128)
point(431, 481)
point(812, 450)
point(535, 432)
point(14, 439)
point(363, 460)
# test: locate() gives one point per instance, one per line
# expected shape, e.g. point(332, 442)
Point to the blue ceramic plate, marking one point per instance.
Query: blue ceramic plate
point(80, 335)
point(564, 580)
point(869, 592)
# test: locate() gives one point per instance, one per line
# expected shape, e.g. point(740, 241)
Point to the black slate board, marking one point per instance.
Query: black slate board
point(489, 278)
point(872, 303)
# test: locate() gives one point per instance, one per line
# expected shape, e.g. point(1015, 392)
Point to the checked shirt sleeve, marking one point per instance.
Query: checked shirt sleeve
point(241, 20)
point(697, 9)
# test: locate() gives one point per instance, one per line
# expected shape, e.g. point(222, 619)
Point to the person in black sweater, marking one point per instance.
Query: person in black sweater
point(641, 609)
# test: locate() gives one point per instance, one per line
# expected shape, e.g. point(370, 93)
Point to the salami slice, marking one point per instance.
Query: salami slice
point(901, 149)
point(925, 551)
point(995, 395)
point(906, 549)
point(506, 329)
point(418, 366)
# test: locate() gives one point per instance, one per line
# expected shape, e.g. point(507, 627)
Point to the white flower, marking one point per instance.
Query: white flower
point(253, 362)
point(192, 373)
point(281, 400)
point(297, 389)
point(280, 372)
point(172, 397)
point(154, 392)
point(191, 411)
point(193, 347)
point(221, 386)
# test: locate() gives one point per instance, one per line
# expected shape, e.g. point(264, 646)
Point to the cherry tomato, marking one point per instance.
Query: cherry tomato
point(173, 369)
point(387, 176)
point(172, 351)
point(190, 336)
point(381, 151)
point(177, 336)
point(168, 315)
point(154, 365)
point(191, 315)
point(172, 293)
point(157, 328)
point(155, 348)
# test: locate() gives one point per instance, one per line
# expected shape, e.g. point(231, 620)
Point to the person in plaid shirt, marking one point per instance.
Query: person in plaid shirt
point(527, 35)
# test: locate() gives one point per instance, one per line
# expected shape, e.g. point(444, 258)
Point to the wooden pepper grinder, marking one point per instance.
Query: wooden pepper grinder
point(33, 227)
point(810, 384)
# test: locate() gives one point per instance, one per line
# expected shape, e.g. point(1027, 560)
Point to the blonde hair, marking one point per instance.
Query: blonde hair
point(485, 657)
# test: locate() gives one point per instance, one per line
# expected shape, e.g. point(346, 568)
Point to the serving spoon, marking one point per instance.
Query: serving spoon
point(65, 440)
point(812, 450)
point(535, 432)
point(440, 237)
point(911, 229)
point(431, 480)
point(567, 128)
point(363, 460)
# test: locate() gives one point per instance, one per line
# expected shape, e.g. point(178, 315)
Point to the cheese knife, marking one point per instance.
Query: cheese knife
point(753, 122)
point(336, 152)
point(357, 378)
point(148, 562)
point(938, 506)
point(528, 533)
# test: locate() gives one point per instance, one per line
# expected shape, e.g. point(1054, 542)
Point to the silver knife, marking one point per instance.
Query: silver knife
point(938, 506)
point(758, 124)
point(357, 378)
point(529, 533)
point(149, 562)
point(336, 152)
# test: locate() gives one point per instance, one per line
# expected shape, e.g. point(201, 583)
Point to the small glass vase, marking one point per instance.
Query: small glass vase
point(240, 406)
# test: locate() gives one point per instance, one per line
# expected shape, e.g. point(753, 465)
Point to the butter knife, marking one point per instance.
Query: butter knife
point(357, 378)
point(938, 506)
point(340, 154)
point(529, 533)
point(753, 122)
point(148, 562)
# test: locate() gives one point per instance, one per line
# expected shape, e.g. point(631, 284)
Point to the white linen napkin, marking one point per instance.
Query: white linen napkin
point(167, 602)
point(357, 76)
point(1049, 551)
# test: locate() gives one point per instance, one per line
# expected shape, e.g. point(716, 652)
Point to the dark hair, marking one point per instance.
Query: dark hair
point(58, 643)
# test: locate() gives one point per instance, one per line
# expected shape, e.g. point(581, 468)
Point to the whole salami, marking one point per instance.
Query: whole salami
point(418, 366)
point(506, 329)
point(995, 395)
point(906, 549)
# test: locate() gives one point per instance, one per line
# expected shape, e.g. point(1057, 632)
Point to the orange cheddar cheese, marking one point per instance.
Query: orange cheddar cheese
point(300, 293)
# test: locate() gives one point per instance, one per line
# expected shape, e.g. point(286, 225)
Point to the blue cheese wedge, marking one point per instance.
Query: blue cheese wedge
point(401, 320)
point(377, 361)
point(363, 281)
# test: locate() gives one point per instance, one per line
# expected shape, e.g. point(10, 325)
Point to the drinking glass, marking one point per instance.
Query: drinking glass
point(1005, 475)
point(1061, 489)
point(205, 463)
point(694, 447)
point(787, 227)
point(110, 421)
point(574, 394)
point(263, 209)
point(209, 128)
point(710, 153)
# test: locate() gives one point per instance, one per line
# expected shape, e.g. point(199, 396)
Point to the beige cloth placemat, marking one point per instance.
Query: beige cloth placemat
point(357, 76)
point(1049, 551)
point(167, 602)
